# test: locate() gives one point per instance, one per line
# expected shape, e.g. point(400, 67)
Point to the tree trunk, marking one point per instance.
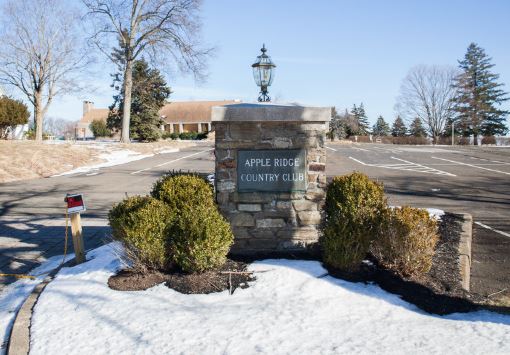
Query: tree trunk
point(38, 119)
point(475, 139)
point(128, 85)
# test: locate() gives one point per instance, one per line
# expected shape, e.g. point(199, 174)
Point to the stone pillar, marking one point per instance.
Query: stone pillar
point(199, 127)
point(181, 127)
point(270, 174)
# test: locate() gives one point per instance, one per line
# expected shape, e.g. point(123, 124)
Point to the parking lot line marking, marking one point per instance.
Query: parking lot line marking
point(331, 148)
point(426, 169)
point(473, 166)
point(408, 166)
point(186, 157)
point(492, 229)
point(492, 161)
point(139, 171)
point(171, 161)
point(365, 150)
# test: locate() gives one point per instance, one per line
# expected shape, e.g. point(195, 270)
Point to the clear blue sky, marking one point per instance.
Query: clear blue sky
point(331, 53)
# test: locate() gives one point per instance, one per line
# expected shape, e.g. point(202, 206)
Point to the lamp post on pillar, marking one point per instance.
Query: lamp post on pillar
point(263, 73)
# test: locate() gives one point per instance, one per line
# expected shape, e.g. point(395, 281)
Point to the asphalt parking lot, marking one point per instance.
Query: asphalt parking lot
point(473, 180)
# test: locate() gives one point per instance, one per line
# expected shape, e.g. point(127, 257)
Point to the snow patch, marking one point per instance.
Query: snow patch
point(114, 157)
point(13, 296)
point(288, 309)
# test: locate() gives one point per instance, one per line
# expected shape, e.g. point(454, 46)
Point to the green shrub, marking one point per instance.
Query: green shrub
point(99, 129)
point(180, 225)
point(179, 189)
point(174, 135)
point(353, 208)
point(407, 240)
point(201, 238)
point(141, 224)
point(489, 140)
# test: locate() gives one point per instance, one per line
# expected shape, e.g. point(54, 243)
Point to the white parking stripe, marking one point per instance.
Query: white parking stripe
point(492, 229)
point(171, 161)
point(473, 166)
point(408, 166)
point(365, 150)
point(331, 148)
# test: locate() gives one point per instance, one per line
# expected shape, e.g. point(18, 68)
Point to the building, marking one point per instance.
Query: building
point(179, 116)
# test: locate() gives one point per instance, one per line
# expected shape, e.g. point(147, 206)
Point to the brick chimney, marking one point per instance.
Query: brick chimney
point(87, 106)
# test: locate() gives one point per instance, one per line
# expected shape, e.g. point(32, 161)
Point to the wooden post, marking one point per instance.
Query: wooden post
point(79, 251)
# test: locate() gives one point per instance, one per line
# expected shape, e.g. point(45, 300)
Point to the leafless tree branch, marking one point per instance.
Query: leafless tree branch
point(426, 92)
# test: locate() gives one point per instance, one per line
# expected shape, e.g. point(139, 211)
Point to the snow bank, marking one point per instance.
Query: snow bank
point(113, 157)
point(288, 309)
point(13, 296)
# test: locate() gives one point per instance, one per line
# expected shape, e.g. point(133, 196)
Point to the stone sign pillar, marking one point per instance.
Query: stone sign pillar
point(270, 174)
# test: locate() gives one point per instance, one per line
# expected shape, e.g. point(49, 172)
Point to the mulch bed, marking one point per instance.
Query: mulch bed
point(439, 291)
point(229, 277)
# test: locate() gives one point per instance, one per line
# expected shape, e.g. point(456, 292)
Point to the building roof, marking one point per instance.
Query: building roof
point(95, 114)
point(173, 112)
point(190, 111)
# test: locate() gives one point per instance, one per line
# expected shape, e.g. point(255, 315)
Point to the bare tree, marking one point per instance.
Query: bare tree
point(426, 92)
point(156, 29)
point(40, 52)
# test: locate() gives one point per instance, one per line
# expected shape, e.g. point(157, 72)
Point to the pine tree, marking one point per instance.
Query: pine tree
point(399, 128)
point(381, 128)
point(149, 94)
point(361, 118)
point(416, 128)
point(477, 96)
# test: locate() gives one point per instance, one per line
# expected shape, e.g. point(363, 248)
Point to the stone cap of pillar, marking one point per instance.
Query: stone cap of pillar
point(256, 112)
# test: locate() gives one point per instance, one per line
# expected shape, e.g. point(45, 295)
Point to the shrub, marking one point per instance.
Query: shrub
point(99, 129)
point(141, 224)
point(489, 140)
point(179, 189)
point(201, 238)
point(353, 208)
point(407, 240)
point(188, 135)
point(12, 113)
point(174, 136)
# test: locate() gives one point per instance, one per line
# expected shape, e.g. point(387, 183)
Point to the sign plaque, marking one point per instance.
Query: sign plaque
point(279, 170)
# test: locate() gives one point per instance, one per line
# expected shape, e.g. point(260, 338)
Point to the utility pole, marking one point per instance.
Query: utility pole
point(453, 133)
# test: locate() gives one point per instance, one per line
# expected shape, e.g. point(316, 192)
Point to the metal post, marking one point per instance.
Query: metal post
point(453, 133)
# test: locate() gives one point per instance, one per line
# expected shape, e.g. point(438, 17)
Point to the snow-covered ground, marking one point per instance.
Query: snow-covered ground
point(291, 308)
point(111, 157)
point(13, 296)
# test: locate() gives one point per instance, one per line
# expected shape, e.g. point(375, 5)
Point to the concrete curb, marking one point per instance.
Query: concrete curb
point(464, 248)
point(19, 337)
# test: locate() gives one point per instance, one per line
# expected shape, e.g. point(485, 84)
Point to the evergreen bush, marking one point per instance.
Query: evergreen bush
point(406, 241)
point(201, 238)
point(353, 209)
point(141, 224)
point(180, 189)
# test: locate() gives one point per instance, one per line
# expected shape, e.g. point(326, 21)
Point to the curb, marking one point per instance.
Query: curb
point(464, 248)
point(19, 337)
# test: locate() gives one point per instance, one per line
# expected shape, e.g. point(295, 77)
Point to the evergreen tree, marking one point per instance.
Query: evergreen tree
point(381, 128)
point(458, 131)
point(12, 113)
point(149, 95)
point(361, 118)
point(416, 128)
point(478, 96)
point(399, 128)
